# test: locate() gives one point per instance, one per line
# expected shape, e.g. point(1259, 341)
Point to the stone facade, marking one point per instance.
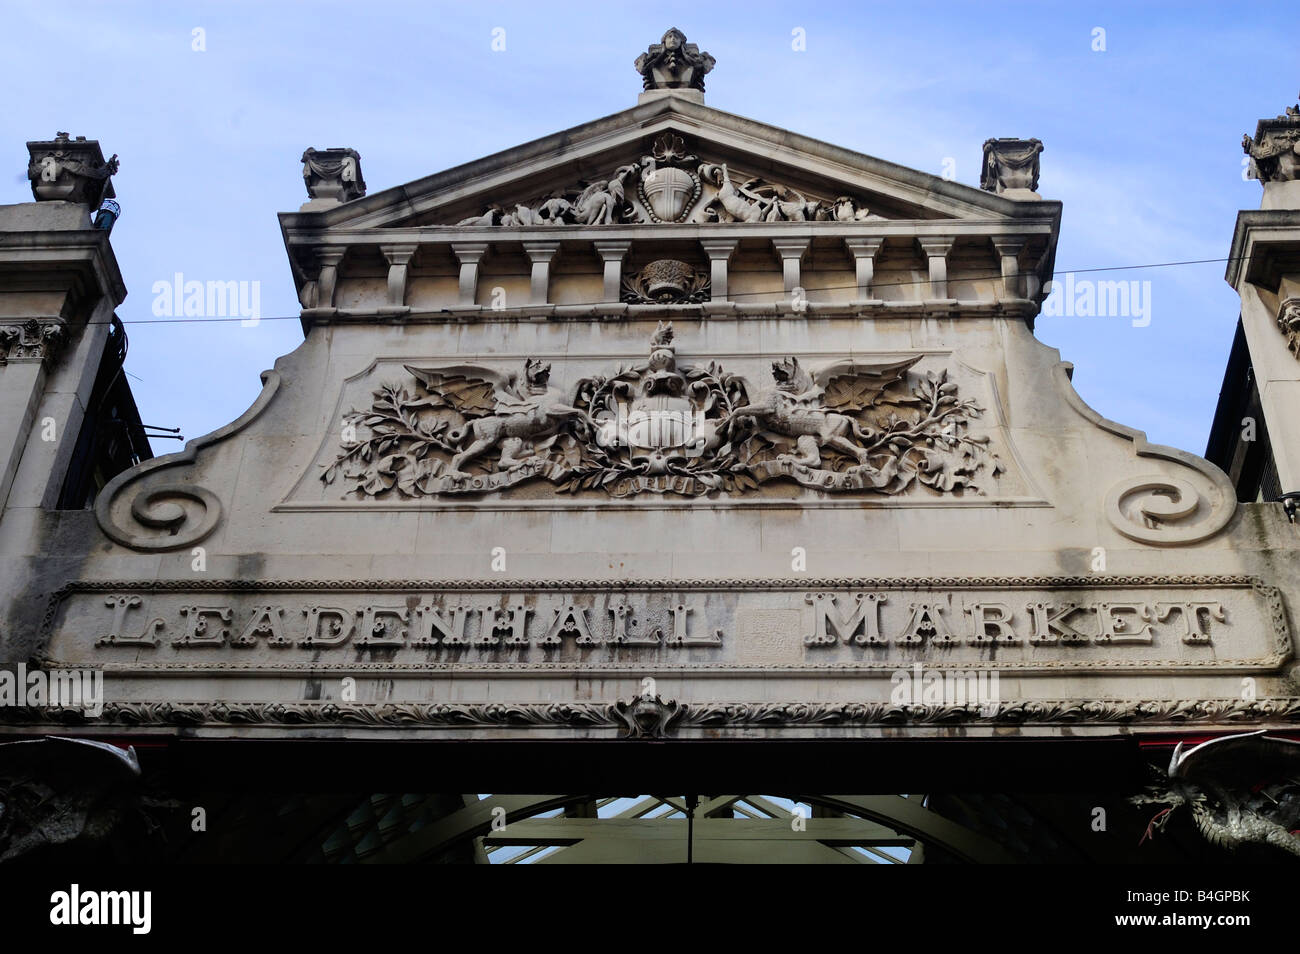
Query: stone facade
point(671, 424)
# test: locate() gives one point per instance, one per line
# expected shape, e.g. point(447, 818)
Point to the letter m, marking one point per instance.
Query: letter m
point(1113, 299)
point(223, 299)
point(860, 624)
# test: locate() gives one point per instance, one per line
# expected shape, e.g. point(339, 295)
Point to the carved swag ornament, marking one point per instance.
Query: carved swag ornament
point(658, 427)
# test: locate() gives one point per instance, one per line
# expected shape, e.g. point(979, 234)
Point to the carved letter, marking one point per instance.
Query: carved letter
point(375, 629)
point(1050, 627)
point(510, 623)
point(431, 618)
point(995, 617)
point(267, 621)
point(569, 621)
point(826, 616)
point(198, 632)
point(116, 637)
point(1193, 631)
point(927, 620)
point(327, 626)
point(679, 637)
point(620, 635)
point(1115, 629)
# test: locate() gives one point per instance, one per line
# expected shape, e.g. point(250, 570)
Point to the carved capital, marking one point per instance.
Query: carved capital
point(1275, 150)
point(70, 170)
point(672, 63)
point(333, 174)
point(34, 340)
point(1011, 165)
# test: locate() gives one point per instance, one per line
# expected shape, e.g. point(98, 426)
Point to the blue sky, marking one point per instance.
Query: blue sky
point(1141, 140)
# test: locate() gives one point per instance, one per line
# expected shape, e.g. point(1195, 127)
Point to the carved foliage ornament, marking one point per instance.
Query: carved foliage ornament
point(33, 340)
point(658, 427)
point(670, 185)
point(666, 281)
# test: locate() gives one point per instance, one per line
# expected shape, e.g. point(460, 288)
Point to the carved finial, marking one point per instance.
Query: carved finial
point(672, 63)
point(70, 170)
point(1011, 167)
point(333, 174)
point(1275, 150)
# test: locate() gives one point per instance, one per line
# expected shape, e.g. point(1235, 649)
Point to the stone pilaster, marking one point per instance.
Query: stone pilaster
point(611, 255)
point(792, 251)
point(936, 251)
point(469, 254)
point(864, 252)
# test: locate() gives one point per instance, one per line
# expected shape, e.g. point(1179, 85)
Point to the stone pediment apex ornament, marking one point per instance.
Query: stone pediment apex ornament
point(333, 174)
point(33, 340)
point(70, 170)
point(1011, 167)
point(1288, 321)
point(663, 428)
point(672, 63)
point(1275, 150)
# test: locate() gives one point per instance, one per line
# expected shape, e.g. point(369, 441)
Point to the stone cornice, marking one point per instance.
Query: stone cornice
point(1265, 242)
point(85, 251)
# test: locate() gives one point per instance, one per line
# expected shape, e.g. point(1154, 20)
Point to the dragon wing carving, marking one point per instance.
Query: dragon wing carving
point(851, 387)
point(473, 391)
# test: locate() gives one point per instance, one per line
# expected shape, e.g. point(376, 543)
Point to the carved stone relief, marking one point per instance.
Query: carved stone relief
point(671, 185)
point(672, 63)
point(1288, 320)
point(33, 340)
point(658, 427)
point(1275, 150)
point(666, 281)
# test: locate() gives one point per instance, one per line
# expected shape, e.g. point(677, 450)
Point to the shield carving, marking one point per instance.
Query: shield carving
point(669, 193)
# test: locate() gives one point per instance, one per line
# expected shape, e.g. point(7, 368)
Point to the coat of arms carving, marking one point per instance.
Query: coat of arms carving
point(664, 427)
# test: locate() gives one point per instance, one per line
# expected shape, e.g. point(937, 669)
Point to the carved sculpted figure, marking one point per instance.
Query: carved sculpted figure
point(501, 413)
point(794, 408)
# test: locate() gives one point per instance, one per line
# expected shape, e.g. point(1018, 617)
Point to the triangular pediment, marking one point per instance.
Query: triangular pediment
point(673, 157)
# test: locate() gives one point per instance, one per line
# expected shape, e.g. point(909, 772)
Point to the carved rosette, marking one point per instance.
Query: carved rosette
point(33, 340)
point(1288, 321)
point(658, 427)
point(1275, 151)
